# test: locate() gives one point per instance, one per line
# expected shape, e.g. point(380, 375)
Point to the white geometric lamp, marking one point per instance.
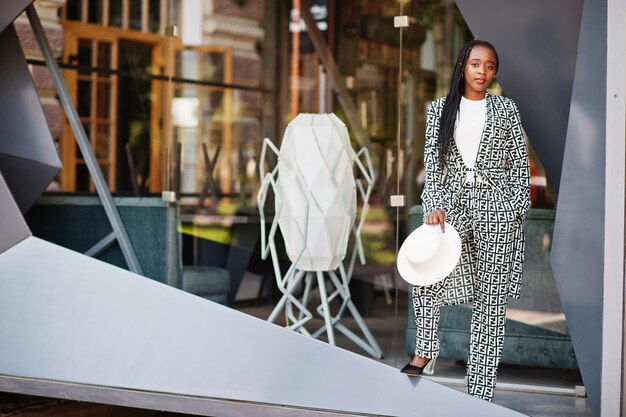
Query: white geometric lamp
point(314, 156)
point(315, 208)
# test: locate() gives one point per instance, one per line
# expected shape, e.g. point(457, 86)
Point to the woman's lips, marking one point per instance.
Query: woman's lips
point(480, 80)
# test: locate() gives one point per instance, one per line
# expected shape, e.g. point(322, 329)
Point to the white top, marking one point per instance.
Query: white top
point(469, 129)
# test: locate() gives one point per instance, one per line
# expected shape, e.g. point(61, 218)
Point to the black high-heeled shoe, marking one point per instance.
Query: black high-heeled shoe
point(412, 370)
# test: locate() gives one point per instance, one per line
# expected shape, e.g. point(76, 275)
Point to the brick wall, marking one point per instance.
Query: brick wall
point(251, 9)
point(27, 39)
point(41, 77)
point(246, 70)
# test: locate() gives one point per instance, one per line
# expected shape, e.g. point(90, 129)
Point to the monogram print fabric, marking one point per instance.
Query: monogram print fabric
point(502, 162)
point(488, 214)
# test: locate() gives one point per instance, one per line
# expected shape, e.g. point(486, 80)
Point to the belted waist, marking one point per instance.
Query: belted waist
point(490, 170)
point(485, 176)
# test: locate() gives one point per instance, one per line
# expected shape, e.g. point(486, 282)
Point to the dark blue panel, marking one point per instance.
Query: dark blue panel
point(537, 42)
point(577, 250)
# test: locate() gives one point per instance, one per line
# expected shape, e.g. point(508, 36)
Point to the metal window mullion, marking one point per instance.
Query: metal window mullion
point(199, 168)
point(228, 115)
point(93, 123)
point(94, 97)
point(113, 109)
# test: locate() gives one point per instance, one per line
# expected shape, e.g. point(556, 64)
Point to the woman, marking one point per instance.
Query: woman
point(478, 180)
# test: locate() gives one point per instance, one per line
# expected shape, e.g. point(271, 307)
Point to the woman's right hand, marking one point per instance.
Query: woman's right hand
point(437, 217)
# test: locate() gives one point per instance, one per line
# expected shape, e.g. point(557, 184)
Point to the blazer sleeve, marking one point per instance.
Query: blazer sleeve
point(519, 175)
point(431, 195)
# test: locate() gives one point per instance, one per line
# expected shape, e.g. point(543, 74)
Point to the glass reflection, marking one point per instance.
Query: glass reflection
point(247, 83)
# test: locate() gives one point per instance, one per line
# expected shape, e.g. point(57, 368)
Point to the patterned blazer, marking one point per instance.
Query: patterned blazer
point(502, 162)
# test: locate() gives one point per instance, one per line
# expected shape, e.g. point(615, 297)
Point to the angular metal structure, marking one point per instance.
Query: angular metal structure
point(537, 42)
point(579, 239)
point(10, 10)
point(70, 319)
point(74, 324)
point(13, 228)
point(119, 232)
point(26, 145)
point(554, 65)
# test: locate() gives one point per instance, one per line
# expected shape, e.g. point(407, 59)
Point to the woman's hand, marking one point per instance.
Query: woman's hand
point(437, 217)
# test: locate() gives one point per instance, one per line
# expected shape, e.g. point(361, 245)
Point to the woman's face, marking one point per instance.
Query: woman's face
point(480, 70)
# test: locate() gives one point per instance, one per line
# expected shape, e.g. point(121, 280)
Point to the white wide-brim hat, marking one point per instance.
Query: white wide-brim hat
point(429, 255)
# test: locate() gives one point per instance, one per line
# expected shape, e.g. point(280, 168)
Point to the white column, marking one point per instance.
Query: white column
point(612, 398)
point(192, 19)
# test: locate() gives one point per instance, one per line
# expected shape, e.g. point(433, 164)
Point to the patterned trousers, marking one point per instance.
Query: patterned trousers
point(488, 221)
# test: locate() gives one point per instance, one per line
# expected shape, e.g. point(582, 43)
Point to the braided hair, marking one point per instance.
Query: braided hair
point(451, 106)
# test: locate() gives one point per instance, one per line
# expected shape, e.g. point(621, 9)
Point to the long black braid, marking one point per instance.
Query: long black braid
point(451, 106)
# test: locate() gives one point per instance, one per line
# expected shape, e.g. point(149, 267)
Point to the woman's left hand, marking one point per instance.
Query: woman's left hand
point(437, 217)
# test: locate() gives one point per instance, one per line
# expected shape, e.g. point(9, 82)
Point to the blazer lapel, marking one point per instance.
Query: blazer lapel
point(487, 132)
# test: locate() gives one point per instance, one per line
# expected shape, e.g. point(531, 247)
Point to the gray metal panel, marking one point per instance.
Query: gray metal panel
point(537, 43)
point(577, 249)
point(67, 317)
point(201, 406)
point(537, 37)
point(10, 10)
point(27, 179)
point(26, 144)
point(13, 228)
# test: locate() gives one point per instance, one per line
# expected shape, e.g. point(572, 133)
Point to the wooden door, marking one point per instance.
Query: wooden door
point(93, 88)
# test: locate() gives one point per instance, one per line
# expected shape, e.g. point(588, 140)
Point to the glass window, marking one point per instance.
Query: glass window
point(134, 15)
point(95, 11)
point(540, 188)
point(79, 155)
point(105, 172)
point(173, 10)
point(85, 56)
point(104, 57)
point(154, 16)
point(189, 173)
point(73, 9)
point(103, 133)
point(212, 104)
point(139, 15)
point(212, 135)
point(188, 67)
point(103, 110)
point(200, 111)
point(115, 13)
point(84, 98)
point(213, 66)
point(82, 177)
